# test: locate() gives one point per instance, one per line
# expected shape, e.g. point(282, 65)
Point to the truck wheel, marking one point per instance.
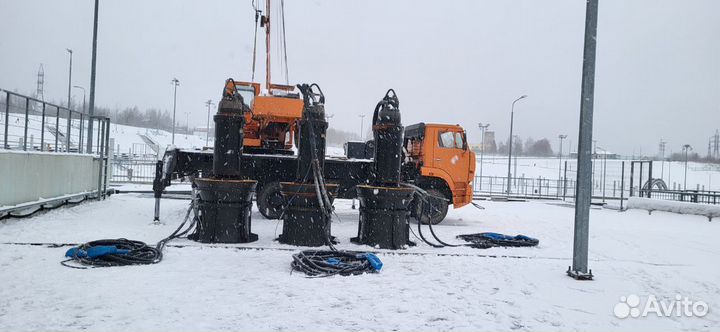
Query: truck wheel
point(270, 201)
point(438, 209)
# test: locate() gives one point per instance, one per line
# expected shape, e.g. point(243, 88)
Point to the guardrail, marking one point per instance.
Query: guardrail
point(692, 196)
point(133, 170)
point(30, 124)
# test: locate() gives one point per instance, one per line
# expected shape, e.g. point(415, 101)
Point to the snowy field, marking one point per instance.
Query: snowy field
point(699, 174)
point(232, 287)
point(127, 139)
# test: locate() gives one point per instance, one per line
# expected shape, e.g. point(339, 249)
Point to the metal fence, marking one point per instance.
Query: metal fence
point(693, 196)
point(546, 188)
point(30, 124)
point(636, 180)
point(133, 170)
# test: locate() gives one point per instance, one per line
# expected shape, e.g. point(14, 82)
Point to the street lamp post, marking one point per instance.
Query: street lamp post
point(483, 128)
point(686, 148)
point(512, 112)
point(83, 90)
point(93, 67)
point(362, 123)
point(209, 104)
point(69, 77)
point(517, 139)
point(187, 124)
point(662, 159)
point(175, 83)
point(561, 137)
point(80, 144)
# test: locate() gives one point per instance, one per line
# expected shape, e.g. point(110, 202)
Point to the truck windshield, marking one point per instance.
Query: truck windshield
point(247, 92)
point(447, 140)
point(451, 140)
point(459, 141)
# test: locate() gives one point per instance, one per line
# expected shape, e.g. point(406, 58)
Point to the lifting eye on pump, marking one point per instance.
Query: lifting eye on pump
point(309, 93)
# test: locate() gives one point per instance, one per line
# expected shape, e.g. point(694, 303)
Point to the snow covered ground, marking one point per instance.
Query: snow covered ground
point(127, 139)
point(699, 174)
point(231, 287)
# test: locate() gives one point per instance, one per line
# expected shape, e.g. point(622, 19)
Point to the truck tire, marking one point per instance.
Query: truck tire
point(438, 210)
point(270, 201)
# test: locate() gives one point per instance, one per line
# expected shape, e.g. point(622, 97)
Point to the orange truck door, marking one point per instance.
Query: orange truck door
point(451, 155)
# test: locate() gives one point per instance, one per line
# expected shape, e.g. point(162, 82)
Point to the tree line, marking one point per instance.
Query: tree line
point(530, 147)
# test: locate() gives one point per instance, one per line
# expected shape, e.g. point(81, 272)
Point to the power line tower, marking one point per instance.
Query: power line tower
point(661, 147)
point(714, 145)
point(39, 90)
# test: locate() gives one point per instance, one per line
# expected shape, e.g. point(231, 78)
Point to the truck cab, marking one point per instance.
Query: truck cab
point(437, 159)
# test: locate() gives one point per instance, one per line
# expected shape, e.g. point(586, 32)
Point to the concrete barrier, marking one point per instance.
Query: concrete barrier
point(32, 176)
point(649, 204)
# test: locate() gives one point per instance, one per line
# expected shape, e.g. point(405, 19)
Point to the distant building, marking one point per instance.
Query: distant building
point(599, 155)
point(201, 131)
point(490, 146)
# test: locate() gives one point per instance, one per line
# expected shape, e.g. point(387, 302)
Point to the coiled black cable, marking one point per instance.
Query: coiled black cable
point(325, 263)
point(133, 252)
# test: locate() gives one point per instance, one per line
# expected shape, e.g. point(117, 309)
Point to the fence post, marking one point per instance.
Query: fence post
point(632, 175)
point(80, 144)
point(57, 126)
point(107, 155)
point(42, 129)
point(27, 109)
point(650, 181)
point(67, 139)
point(614, 189)
point(622, 184)
point(100, 159)
point(7, 118)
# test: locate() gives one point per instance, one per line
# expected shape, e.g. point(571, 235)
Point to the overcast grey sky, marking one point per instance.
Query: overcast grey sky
point(658, 65)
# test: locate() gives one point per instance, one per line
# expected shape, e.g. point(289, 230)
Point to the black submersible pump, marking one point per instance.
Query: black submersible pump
point(225, 197)
point(307, 216)
point(384, 213)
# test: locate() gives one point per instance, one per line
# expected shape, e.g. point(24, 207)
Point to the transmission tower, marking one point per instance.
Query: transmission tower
point(661, 148)
point(39, 91)
point(714, 145)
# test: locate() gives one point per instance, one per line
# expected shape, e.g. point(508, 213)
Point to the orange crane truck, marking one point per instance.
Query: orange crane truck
point(437, 159)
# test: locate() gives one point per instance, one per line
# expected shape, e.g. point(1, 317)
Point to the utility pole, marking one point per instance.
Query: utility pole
point(69, 79)
point(92, 79)
point(483, 128)
point(686, 148)
point(515, 163)
point(561, 137)
point(209, 104)
point(583, 196)
point(512, 113)
point(80, 145)
point(662, 159)
point(175, 83)
point(187, 123)
point(362, 123)
point(267, 44)
point(83, 90)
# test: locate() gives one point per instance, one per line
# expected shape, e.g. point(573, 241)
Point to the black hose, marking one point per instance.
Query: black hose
point(138, 252)
point(325, 263)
